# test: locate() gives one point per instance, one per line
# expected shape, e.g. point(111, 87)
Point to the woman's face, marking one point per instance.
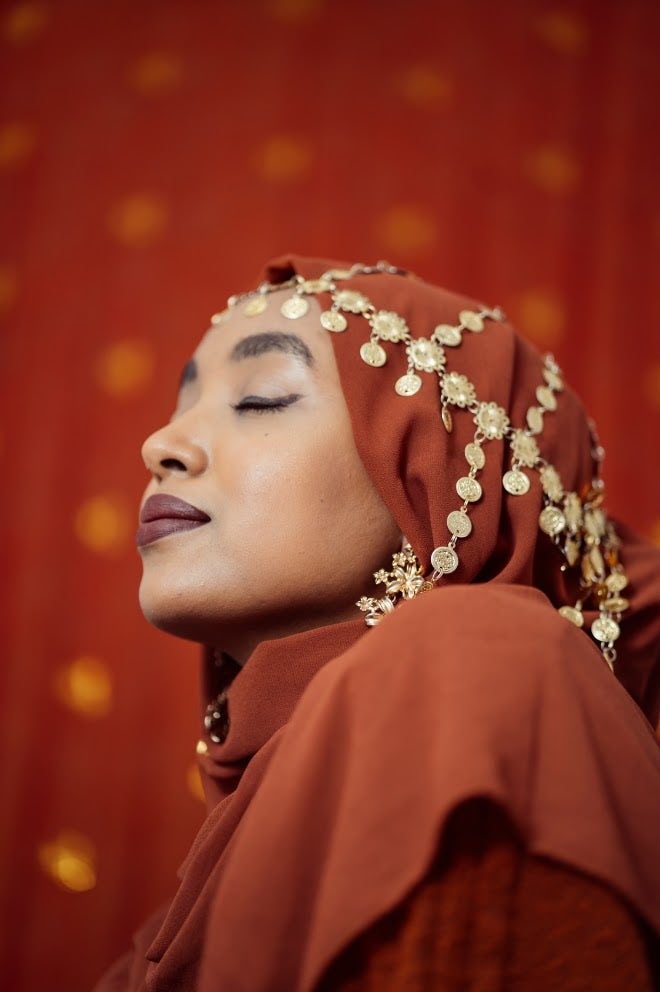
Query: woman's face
point(260, 443)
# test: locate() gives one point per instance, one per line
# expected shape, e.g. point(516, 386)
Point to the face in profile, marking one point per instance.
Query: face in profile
point(259, 519)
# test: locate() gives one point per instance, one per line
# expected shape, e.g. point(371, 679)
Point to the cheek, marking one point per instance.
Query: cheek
point(309, 499)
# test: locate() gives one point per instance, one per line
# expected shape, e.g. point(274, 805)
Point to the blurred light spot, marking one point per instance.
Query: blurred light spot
point(553, 169)
point(24, 22)
point(156, 72)
point(70, 860)
point(138, 218)
point(125, 367)
point(540, 317)
point(284, 159)
point(16, 143)
point(563, 30)
point(85, 687)
point(194, 781)
point(8, 287)
point(651, 385)
point(425, 86)
point(406, 228)
point(294, 10)
point(102, 524)
point(201, 747)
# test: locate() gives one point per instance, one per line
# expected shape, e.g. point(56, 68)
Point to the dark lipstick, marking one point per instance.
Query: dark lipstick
point(163, 515)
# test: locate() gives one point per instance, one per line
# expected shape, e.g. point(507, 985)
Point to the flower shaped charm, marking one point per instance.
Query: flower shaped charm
point(406, 580)
point(458, 389)
point(492, 420)
point(389, 326)
point(426, 356)
point(349, 299)
point(525, 449)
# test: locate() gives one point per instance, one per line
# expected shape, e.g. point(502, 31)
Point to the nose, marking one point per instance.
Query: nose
point(173, 451)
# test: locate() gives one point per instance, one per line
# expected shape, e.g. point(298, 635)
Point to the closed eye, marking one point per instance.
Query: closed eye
point(265, 404)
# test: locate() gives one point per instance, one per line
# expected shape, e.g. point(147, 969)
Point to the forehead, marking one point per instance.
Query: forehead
point(221, 341)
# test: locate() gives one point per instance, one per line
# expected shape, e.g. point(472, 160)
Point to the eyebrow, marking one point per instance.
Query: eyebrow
point(259, 344)
point(252, 347)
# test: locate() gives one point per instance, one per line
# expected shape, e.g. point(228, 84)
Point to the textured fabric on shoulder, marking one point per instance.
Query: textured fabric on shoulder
point(468, 691)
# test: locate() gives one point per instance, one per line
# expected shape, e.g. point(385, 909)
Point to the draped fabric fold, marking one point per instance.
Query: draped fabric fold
point(389, 739)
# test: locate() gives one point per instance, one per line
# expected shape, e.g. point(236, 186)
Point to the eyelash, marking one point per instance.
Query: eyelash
point(265, 404)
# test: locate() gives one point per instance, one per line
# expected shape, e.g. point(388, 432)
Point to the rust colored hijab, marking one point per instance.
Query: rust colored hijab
point(415, 464)
point(348, 749)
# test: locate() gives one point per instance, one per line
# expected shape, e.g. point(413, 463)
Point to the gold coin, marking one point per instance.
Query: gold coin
point(474, 454)
point(408, 384)
point(552, 521)
point(573, 614)
point(447, 334)
point(616, 604)
point(373, 354)
point(315, 286)
point(605, 629)
point(469, 489)
point(332, 320)
point(597, 561)
point(294, 307)
point(255, 306)
point(444, 560)
point(447, 419)
point(516, 482)
point(459, 524)
point(471, 320)
point(535, 419)
point(551, 482)
point(573, 511)
point(594, 522)
point(589, 573)
point(553, 380)
point(546, 397)
point(571, 550)
point(616, 581)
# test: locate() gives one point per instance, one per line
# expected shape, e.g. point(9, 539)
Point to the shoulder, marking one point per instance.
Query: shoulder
point(477, 609)
point(493, 656)
point(491, 627)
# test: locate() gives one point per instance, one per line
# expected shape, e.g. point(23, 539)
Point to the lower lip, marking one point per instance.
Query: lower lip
point(155, 529)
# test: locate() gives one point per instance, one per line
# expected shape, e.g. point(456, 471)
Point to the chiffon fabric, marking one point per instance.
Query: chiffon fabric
point(350, 751)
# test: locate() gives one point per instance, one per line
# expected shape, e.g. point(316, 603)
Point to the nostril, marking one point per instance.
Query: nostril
point(173, 464)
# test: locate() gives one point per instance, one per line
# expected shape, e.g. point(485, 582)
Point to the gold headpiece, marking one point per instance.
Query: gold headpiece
point(575, 523)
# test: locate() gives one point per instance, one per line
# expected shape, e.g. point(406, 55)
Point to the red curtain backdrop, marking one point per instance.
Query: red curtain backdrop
point(152, 155)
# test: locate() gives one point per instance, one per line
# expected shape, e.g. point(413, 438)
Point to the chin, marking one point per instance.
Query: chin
point(185, 626)
point(172, 611)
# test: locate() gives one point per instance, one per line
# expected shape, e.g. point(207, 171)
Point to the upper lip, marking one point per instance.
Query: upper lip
point(164, 506)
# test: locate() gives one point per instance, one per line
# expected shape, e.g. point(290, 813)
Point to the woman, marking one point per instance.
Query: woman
point(465, 796)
